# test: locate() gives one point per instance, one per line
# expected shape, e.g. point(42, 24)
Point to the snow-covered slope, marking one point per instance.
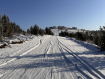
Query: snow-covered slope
point(57, 31)
point(52, 57)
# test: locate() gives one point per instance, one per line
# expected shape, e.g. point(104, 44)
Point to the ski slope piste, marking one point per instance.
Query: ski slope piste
point(52, 57)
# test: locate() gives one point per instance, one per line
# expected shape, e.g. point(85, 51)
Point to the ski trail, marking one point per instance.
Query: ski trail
point(67, 61)
point(56, 70)
point(84, 64)
point(31, 49)
point(20, 56)
point(49, 59)
point(22, 50)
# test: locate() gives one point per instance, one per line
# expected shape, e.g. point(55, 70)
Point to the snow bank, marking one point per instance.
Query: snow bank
point(20, 37)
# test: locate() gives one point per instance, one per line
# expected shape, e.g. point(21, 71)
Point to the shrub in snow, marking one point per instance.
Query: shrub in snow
point(81, 36)
point(102, 38)
point(4, 45)
point(102, 43)
point(17, 42)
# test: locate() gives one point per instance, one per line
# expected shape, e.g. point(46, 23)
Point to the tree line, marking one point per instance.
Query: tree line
point(7, 28)
point(35, 30)
point(62, 27)
point(96, 37)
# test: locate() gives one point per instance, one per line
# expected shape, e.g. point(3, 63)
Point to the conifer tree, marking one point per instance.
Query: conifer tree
point(9, 28)
point(28, 31)
point(36, 29)
point(41, 32)
point(24, 32)
point(31, 30)
point(102, 38)
point(48, 31)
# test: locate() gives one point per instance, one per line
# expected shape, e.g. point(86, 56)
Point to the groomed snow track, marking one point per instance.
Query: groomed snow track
point(83, 67)
point(46, 58)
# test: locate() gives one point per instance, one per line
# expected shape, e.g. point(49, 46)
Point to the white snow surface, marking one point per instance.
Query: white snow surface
point(57, 31)
point(52, 57)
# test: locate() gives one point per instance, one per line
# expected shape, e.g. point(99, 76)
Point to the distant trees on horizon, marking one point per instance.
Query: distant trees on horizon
point(7, 28)
point(35, 30)
point(96, 37)
point(62, 28)
point(38, 31)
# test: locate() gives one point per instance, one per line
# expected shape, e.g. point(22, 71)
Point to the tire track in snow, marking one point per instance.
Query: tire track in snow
point(50, 74)
point(72, 65)
point(39, 71)
point(47, 49)
point(82, 74)
point(75, 65)
point(62, 73)
point(22, 50)
point(56, 71)
point(21, 55)
point(40, 42)
point(93, 72)
point(47, 71)
point(67, 61)
point(42, 71)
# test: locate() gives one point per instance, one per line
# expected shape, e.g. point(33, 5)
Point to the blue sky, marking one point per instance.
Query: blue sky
point(83, 14)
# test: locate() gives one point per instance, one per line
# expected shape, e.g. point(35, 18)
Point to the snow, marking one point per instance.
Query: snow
point(51, 57)
point(57, 31)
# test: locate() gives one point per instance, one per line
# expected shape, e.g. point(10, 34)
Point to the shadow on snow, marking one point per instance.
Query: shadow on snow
point(59, 61)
